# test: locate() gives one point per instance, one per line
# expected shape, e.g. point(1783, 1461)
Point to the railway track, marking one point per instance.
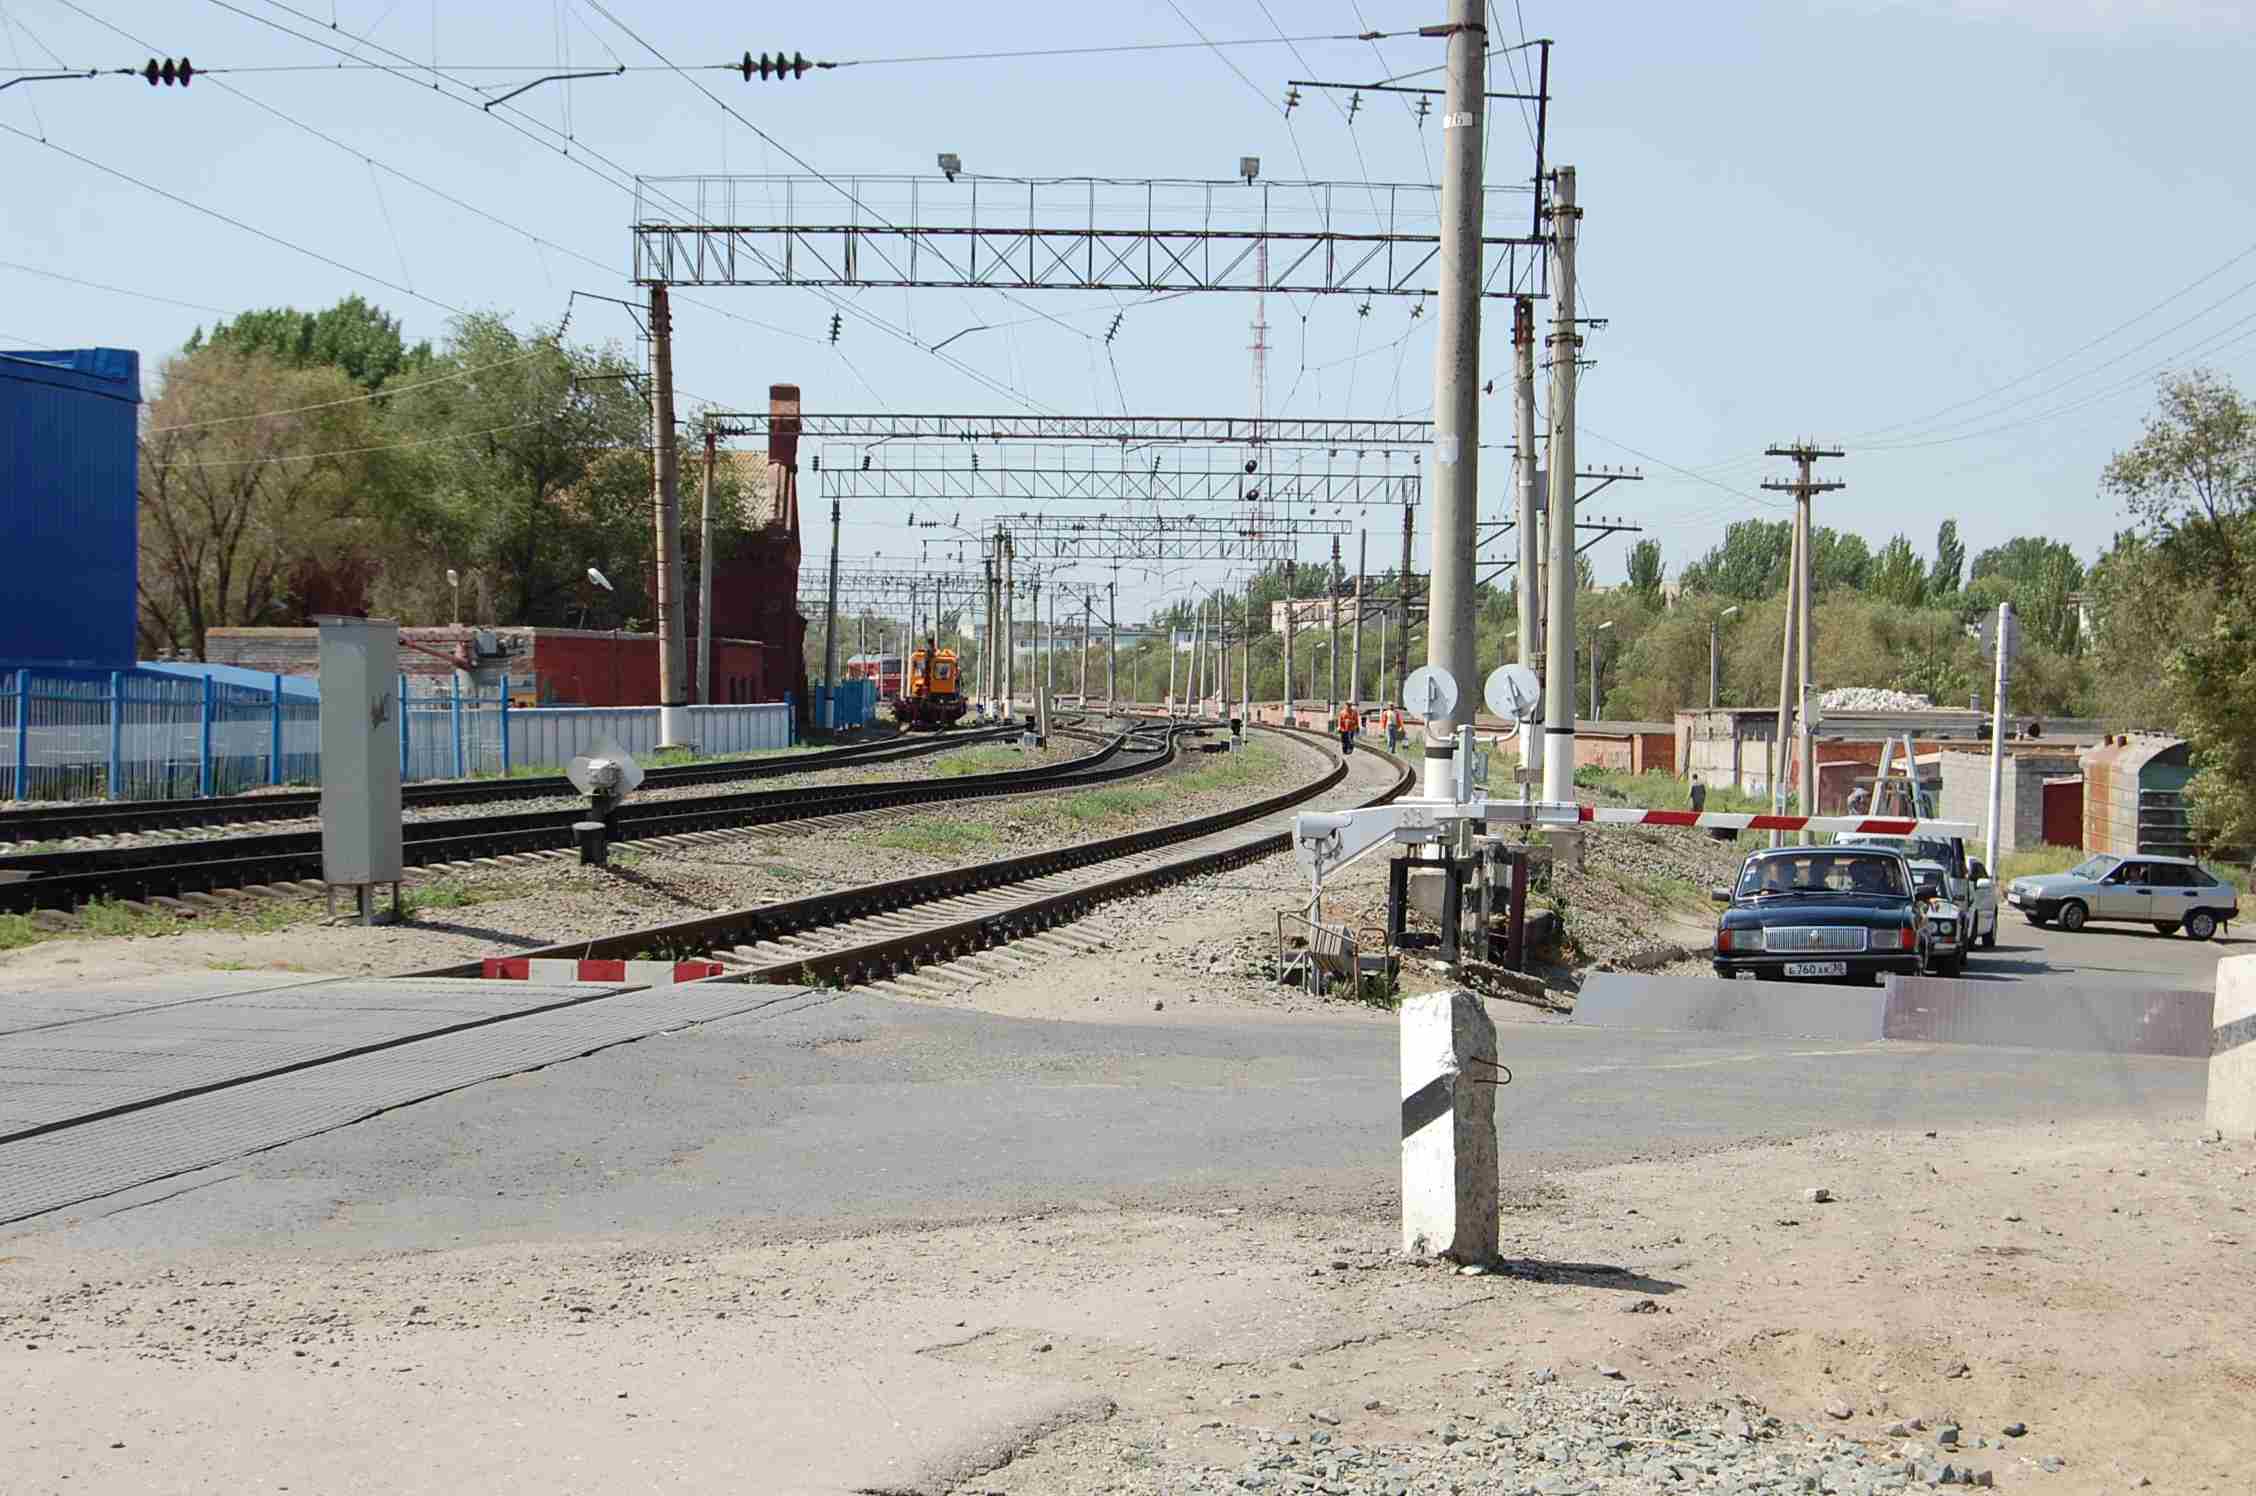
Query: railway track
point(68, 822)
point(885, 932)
point(270, 864)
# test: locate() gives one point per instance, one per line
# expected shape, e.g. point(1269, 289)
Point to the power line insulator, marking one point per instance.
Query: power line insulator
point(776, 66)
point(169, 72)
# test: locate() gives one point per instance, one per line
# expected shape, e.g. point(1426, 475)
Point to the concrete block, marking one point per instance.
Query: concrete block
point(1449, 1195)
point(1566, 846)
point(2232, 1050)
point(1800, 1010)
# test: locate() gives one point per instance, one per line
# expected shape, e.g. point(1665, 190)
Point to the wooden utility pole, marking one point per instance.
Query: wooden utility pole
point(1795, 671)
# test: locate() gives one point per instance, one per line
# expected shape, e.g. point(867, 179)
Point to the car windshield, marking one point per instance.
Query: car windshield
point(2095, 868)
point(1822, 871)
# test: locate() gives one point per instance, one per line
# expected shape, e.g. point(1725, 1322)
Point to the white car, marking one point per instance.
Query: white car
point(1967, 884)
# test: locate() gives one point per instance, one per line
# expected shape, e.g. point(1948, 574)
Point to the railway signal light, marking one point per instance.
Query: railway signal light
point(169, 72)
point(778, 66)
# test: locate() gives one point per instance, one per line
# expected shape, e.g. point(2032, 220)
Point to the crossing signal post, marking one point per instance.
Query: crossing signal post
point(777, 66)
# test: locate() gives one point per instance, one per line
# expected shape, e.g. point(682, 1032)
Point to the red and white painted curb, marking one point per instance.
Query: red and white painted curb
point(1722, 820)
point(562, 969)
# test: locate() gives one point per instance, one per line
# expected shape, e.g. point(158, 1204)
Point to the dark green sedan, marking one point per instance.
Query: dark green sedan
point(1821, 914)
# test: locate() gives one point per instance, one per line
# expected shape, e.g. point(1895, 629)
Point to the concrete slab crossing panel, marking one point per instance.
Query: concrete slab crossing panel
point(1793, 1010)
point(2050, 1014)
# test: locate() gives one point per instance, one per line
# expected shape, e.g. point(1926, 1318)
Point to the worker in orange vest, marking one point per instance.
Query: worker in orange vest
point(1393, 729)
point(1349, 722)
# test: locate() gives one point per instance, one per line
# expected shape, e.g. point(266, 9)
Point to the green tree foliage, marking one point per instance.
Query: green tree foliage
point(1645, 571)
point(353, 336)
point(249, 468)
point(528, 470)
point(1898, 575)
point(1751, 562)
point(2190, 482)
point(2038, 576)
point(1950, 561)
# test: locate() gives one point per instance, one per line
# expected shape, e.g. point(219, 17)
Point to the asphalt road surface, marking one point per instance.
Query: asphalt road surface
point(2107, 955)
point(865, 1110)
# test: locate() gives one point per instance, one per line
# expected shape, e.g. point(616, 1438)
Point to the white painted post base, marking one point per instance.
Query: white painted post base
point(1449, 1127)
point(673, 727)
point(2232, 1050)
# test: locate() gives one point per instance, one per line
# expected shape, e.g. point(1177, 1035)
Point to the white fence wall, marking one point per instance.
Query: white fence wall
point(556, 734)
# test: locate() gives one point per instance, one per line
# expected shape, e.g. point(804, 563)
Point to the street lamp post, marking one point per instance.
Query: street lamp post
point(454, 580)
point(1715, 668)
point(1594, 633)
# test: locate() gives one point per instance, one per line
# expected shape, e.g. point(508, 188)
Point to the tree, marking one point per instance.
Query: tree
point(352, 335)
point(247, 468)
point(1750, 564)
point(1645, 571)
point(2190, 480)
point(1950, 561)
point(2039, 576)
point(1898, 575)
point(1838, 558)
point(529, 470)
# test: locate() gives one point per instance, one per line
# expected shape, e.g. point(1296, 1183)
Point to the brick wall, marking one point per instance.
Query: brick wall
point(1966, 793)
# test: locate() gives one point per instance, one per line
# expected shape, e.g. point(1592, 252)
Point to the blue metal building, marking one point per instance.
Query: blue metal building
point(69, 517)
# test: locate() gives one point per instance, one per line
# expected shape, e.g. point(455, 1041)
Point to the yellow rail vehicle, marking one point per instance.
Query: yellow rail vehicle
point(932, 694)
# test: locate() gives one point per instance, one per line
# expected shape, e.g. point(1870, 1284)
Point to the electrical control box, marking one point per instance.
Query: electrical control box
point(360, 751)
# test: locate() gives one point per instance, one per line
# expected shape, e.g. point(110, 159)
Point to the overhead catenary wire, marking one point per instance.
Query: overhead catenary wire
point(586, 158)
point(193, 306)
point(272, 238)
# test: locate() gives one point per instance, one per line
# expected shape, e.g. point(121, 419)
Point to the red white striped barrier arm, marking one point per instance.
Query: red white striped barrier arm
point(1840, 825)
point(561, 969)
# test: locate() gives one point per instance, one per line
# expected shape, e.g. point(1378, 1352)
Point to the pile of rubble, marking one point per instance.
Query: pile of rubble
point(1874, 699)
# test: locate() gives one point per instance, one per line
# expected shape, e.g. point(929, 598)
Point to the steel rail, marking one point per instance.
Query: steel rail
point(66, 821)
point(64, 880)
point(727, 936)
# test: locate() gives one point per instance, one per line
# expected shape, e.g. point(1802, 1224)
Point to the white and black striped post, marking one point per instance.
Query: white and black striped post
point(1449, 1079)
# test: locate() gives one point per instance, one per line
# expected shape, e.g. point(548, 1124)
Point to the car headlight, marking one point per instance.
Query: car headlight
point(1739, 940)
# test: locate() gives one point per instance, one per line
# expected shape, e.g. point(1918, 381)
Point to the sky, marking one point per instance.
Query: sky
point(1959, 238)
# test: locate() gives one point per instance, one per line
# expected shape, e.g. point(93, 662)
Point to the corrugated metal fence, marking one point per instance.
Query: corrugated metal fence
point(130, 735)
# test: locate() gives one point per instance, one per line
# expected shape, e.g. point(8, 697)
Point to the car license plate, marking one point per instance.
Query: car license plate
point(1817, 968)
point(2015, 898)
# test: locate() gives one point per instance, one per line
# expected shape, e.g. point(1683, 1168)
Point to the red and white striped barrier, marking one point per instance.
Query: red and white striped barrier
point(1722, 820)
point(563, 969)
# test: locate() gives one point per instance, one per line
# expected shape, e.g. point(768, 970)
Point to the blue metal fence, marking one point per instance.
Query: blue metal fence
point(135, 735)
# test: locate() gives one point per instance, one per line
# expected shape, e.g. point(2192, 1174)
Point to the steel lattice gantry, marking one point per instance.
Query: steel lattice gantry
point(1293, 479)
point(1064, 233)
point(1343, 436)
point(1131, 537)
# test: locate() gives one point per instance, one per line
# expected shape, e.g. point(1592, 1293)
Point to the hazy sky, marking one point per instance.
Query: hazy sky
point(1895, 225)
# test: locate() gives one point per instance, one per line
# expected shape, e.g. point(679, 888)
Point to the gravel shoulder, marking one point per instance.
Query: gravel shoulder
point(1694, 1325)
point(536, 900)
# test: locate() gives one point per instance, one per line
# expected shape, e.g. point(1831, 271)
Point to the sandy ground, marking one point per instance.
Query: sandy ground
point(2092, 1281)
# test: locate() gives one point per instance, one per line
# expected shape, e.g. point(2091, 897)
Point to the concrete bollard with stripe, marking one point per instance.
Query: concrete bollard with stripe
point(2232, 1050)
point(1449, 1080)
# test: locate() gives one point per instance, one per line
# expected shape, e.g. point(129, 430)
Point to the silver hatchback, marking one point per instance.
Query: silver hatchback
point(2169, 893)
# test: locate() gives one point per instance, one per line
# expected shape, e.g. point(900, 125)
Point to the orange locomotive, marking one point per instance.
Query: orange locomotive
point(932, 696)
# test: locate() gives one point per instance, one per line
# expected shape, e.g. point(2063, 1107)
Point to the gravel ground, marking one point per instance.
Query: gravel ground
point(1531, 1434)
point(926, 767)
point(543, 899)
